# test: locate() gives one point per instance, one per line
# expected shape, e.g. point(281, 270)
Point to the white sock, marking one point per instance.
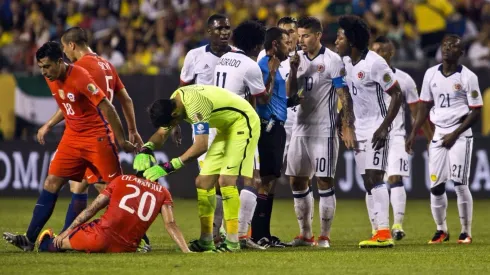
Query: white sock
point(311, 203)
point(438, 205)
point(370, 209)
point(302, 207)
point(465, 207)
point(327, 210)
point(248, 201)
point(218, 216)
point(381, 208)
point(398, 202)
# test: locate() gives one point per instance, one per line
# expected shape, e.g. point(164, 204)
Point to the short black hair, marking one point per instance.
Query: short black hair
point(248, 35)
point(382, 39)
point(161, 112)
point(51, 50)
point(287, 20)
point(310, 22)
point(356, 30)
point(216, 16)
point(76, 35)
point(273, 34)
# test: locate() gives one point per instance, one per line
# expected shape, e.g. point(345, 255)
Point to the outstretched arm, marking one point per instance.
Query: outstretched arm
point(128, 110)
point(172, 228)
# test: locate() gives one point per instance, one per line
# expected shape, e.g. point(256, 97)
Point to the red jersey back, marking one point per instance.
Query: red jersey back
point(78, 97)
point(134, 205)
point(103, 72)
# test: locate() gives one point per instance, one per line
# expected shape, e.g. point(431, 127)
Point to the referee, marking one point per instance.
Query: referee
point(273, 114)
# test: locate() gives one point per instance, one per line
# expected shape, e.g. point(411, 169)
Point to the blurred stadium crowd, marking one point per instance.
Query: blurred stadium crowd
point(153, 36)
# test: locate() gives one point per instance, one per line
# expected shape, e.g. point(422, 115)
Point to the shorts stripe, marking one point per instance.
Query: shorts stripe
point(249, 131)
point(382, 104)
point(466, 161)
point(386, 149)
point(331, 110)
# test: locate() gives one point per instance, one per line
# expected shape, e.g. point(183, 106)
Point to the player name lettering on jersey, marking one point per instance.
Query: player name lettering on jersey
point(229, 62)
point(142, 182)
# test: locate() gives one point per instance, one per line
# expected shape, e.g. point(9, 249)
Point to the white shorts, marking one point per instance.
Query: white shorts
point(398, 159)
point(450, 164)
point(369, 159)
point(312, 156)
point(289, 131)
point(211, 137)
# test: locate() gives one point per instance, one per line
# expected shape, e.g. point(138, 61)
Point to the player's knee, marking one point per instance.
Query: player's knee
point(99, 186)
point(53, 183)
point(325, 183)
point(79, 187)
point(394, 179)
point(205, 182)
point(299, 183)
point(226, 180)
point(439, 189)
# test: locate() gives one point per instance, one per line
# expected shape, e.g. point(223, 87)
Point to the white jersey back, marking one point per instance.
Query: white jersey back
point(410, 95)
point(453, 96)
point(284, 69)
point(318, 111)
point(199, 66)
point(368, 80)
point(238, 73)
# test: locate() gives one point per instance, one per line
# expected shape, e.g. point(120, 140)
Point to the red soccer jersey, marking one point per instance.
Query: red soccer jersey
point(103, 72)
point(78, 97)
point(134, 205)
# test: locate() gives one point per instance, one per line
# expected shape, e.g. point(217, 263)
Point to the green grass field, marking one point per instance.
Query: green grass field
point(351, 225)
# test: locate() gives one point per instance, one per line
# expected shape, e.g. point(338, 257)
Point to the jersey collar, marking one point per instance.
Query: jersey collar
point(208, 49)
point(363, 56)
point(393, 69)
point(321, 51)
point(459, 69)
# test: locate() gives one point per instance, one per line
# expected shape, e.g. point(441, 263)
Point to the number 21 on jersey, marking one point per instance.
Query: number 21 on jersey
point(146, 195)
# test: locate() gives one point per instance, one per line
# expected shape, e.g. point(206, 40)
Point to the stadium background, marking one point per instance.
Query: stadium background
point(147, 40)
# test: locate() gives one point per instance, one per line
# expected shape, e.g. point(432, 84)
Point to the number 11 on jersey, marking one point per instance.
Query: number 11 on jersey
point(223, 81)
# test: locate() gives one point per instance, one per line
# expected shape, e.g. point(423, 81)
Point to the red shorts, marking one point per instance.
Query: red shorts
point(91, 238)
point(77, 154)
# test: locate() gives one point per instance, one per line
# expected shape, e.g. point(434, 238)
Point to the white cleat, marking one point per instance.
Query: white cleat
point(302, 241)
point(249, 244)
point(323, 242)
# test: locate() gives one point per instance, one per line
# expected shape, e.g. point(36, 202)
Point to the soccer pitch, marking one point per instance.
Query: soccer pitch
point(351, 225)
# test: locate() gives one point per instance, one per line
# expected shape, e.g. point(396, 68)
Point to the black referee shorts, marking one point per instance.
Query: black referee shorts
point(271, 149)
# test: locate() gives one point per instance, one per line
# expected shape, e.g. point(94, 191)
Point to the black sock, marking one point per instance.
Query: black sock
point(259, 220)
point(268, 214)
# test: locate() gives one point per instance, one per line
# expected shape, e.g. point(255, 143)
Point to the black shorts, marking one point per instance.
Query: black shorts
point(271, 149)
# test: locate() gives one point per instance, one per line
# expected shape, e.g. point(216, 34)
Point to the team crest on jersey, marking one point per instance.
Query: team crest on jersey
point(387, 78)
point(71, 97)
point(433, 177)
point(300, 69)
point(61, 93)
point(321, 68)
point(92, 88)
point(361, 75)
point(474, 94)
point(457, 87)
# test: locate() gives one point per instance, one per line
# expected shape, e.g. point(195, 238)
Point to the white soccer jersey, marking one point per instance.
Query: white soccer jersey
point(199, 66)
point(318, 111)
point(453, 95)
point(238, 73)
point(284, 69)
point(367, 80)
point(410, 94)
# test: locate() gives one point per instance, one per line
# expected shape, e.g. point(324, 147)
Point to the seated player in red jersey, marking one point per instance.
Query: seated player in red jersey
point(134, 203)
point(86, 142)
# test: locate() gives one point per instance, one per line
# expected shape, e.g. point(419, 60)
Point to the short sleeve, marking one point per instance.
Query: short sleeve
point(187, 74)
point(253, 80)
point(261, 55)
point(337, 72)
point(410, 91)
point(110, 187)
point(86, 86)
point(473, 92)
point(382, 74)
point(425, 93)
point(167, 200)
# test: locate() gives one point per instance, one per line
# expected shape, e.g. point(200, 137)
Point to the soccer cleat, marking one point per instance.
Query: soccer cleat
point(277, 243)
point(20, 241)
point(247, 243)
point(464, 239)
point(382, 239)
point(227, 246)
point(374, 232)
point(199, 246)
point(439, 237)
point(46, 234)
point(144, 247)
point(397, 232)
point(302, 241)
point(323, 242)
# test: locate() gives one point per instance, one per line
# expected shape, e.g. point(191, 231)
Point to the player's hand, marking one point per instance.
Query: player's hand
point(127, 147)
point(294, 61)
point(145, 158)
point(161, 170)
point(409, 143)
point(449, 140)
point(42, 132)
point(58, 240)
point(176, 134)
point(349, 137)
point(379, 138)
point(273, 64)
point(135, 138)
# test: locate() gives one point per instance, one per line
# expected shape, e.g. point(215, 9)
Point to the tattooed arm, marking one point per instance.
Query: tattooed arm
point(347, 117)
